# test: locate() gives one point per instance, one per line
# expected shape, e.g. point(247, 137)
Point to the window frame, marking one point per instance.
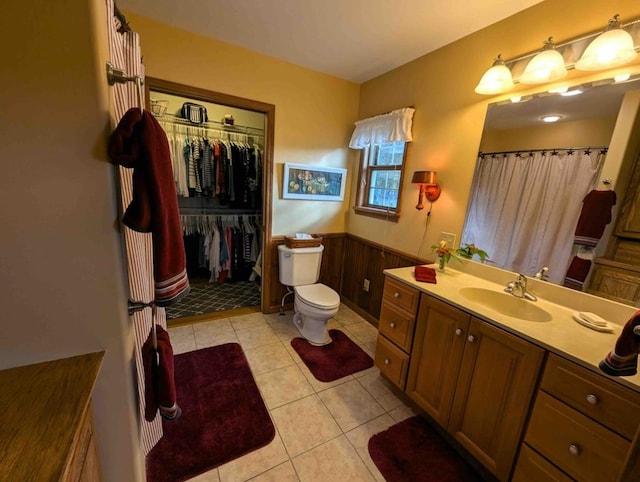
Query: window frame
point(364, 185)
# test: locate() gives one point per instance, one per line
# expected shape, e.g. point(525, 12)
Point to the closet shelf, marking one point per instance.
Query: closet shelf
point(213, 125)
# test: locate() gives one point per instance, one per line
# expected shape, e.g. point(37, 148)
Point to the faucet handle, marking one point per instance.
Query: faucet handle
point(510, 286)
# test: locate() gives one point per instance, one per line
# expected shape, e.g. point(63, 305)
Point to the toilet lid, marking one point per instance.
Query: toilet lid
point(318, 295)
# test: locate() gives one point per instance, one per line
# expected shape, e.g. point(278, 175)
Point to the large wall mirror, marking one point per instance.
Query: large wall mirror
point(531, 176)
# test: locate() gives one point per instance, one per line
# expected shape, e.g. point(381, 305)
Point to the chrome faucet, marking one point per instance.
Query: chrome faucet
point(542, 274)
point(518, 288)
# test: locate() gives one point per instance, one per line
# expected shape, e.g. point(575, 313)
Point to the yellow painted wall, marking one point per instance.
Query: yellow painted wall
point(62, 284)
point(449, 115)
point(314, 112)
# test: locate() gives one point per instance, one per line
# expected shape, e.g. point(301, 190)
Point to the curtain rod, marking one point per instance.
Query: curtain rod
point(602, 149)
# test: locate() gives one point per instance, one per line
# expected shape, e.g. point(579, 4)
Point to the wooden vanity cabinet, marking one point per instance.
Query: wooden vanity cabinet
point(475, 380)
point(396, 327)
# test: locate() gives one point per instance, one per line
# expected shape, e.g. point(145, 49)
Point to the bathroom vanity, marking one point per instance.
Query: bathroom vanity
point(515, 382)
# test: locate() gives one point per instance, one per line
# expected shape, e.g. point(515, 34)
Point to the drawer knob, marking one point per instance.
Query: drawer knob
point(574, 449)
point(392, 324)
point(471, 338)
point(396, 295)
point(387, 361)
point(458, 331)
point(592, 399)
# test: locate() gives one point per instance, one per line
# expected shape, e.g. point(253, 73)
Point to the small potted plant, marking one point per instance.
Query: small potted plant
point(444, 254)
point(468, 251)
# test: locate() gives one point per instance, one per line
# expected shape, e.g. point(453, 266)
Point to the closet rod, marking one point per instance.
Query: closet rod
point(239, 212)
point(236, 129)
point(603, 150)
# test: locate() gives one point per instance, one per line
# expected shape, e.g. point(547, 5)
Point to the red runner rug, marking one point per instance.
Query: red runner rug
point(223, 415)
point(412, 450)
point(338, 359)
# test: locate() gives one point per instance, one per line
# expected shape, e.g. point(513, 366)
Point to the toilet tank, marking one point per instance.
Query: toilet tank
point(299, 266)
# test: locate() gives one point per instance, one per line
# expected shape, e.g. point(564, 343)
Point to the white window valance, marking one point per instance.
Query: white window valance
point(391, 127)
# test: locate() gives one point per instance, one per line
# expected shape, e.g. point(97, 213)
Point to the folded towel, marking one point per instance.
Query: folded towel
point(425, 274)
point(139, 142)
point(622, 361)
point(159, 383)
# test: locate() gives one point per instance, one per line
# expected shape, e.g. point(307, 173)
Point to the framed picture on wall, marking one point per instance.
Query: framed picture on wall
point(317, 183)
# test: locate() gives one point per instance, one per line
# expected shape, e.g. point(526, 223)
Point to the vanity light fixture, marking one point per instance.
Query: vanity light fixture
point(429, 186)
point(546, 66)
point(611, 48)
point(621, 77)
point(496, 80)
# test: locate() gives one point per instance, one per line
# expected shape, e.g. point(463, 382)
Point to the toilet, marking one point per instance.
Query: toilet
point(314, 302)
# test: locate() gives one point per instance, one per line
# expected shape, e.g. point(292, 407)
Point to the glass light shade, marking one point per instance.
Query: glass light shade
point(496, 80)
point(546, 66)
point(610, 49)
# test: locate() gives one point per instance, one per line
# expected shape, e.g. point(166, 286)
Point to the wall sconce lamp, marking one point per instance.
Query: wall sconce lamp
point(617, 45)
point(429, 186)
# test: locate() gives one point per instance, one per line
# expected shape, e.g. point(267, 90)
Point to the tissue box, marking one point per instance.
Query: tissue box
point(302, 243)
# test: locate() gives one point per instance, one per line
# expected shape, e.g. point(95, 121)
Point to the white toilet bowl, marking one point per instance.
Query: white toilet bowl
point(314, 305)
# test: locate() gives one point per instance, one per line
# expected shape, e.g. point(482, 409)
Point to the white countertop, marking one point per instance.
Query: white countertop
point(561, 335)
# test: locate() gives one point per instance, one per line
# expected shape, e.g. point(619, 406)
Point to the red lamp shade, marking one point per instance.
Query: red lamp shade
point(429, 186)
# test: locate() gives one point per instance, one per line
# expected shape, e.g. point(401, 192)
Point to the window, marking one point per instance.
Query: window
point(380, 180)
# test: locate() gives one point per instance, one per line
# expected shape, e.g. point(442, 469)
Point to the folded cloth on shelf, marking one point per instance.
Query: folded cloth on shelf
point(159, 382)
point(139, 142)
point(425, 274)
point(594, 217)
point(622, 361)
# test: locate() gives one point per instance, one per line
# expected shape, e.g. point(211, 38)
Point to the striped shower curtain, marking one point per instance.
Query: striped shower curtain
point(124, 52)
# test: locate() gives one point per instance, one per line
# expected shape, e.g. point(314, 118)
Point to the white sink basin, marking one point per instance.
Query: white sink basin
point(506, 304)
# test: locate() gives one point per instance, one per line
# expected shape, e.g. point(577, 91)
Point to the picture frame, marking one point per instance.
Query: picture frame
point(316, 183)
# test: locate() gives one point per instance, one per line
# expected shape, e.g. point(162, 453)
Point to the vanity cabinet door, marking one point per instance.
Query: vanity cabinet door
point(496, 382)
point(439, 341)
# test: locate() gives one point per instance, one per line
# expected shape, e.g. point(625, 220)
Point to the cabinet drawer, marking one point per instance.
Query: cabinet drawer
point(397, 325)
point(392, 362)
point(401, 295)
point(532, 467)
point(579, 446)
point(605, 401)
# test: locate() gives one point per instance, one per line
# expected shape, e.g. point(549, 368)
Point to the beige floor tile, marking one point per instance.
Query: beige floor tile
point(250, 320)
point(182, 339)
point(211, 476)
point(254, 463)
point(333, 324)
point(370, 348)
point(282, 386)
point(277, 317)
point(381, 391)
point(335, 460)
point(359, 438)
point(402, 413)
point(368, 371)
point(285, 330)
point(282, 473)
point(212, 328)
point(346, 316)
point(268, 357)
point(257, 336)
point(304, 424)
point(351, 405)
point(292, 352)
point(362, 332)
point(319, 386)
point(207, 340)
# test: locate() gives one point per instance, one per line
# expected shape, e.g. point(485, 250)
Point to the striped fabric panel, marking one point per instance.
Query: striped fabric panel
point(125, 54)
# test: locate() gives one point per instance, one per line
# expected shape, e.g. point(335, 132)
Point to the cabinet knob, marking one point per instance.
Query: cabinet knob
point(387, 361)
point(574, 449)
point(458, 331)
point(392, 324)
point(592, 399)
point(396, 295)
point(471, 338)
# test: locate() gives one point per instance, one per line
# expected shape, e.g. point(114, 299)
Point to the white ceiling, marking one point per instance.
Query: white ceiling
point(354, 40)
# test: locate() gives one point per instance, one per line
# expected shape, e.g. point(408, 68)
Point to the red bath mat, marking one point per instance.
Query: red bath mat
point(412, 450)
point(338, 359)
point(223, 415)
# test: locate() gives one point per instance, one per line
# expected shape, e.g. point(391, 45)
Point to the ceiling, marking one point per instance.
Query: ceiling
point(355, 40)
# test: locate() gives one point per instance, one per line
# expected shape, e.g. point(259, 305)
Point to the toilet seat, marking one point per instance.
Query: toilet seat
point(318, 296)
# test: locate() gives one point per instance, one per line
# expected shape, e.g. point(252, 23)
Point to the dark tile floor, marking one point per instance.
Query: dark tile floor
point(206, 297)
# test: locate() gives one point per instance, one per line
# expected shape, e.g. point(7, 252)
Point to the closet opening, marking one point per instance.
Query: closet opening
point(222, 154)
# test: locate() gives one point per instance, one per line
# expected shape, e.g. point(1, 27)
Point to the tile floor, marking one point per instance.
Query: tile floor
point(322, 429)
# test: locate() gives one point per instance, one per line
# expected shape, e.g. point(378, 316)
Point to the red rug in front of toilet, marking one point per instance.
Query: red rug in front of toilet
point(338, 359)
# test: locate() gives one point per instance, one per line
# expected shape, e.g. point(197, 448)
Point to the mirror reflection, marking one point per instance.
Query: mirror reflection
point(538, 199)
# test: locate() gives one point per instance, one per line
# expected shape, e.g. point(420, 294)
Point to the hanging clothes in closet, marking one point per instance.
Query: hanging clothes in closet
point(213, 163)
point(226, 247)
